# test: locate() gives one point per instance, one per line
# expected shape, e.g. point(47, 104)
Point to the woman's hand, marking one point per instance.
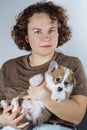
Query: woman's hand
point(39, 92)
point(11, 119)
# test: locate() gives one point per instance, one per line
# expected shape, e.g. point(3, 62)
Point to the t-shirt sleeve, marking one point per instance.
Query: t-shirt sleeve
point(2, 96)
point(81, 79)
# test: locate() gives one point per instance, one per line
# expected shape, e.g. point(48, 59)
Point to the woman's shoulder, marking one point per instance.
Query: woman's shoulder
point(62, 56)
point(67, 60)
point(15, 61)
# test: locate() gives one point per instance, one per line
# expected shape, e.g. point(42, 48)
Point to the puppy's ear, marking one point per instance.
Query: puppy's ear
point(53, 66)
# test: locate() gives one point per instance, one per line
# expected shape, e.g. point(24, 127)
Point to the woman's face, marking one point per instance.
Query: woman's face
point(42, 34)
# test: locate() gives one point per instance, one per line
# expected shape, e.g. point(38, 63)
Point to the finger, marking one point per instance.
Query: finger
point(19, 118)
point(9, 108)
point(26, 97)
point(15, 113)
point(23, 125)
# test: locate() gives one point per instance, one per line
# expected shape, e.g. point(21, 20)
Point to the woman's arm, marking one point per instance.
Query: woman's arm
point(71, 110)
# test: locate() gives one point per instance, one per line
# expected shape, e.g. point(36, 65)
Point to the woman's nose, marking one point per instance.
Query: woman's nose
point(45, 37)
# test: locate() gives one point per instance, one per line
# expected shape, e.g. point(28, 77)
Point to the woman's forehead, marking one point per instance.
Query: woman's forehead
point(41, 16)
point(42, 20)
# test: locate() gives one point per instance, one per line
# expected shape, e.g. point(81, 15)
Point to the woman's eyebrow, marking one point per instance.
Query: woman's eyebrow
point(54, 27)
point(36, 29)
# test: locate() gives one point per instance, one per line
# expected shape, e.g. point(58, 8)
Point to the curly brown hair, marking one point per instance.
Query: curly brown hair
point(55, 12)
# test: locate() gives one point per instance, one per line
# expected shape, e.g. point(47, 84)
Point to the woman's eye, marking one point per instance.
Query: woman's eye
point(51, 30)
point(38, 32)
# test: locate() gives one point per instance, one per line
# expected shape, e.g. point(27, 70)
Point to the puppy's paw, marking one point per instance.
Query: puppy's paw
point(36, 80)
point(55, 96)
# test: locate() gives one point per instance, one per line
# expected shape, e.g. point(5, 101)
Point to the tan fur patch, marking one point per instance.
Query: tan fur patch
point(59, 71)
point(70, 77)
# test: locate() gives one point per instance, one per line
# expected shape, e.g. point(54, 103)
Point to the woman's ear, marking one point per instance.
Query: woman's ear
point(26, 39)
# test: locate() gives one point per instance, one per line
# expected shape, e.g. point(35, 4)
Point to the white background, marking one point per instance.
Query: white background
point(76, 10)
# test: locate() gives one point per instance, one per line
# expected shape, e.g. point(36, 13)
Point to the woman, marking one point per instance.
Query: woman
point(41, 28)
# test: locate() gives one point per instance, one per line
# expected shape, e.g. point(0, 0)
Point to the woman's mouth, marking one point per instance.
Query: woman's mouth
point(46, 46)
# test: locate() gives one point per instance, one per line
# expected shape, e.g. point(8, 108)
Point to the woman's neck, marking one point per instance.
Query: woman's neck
point(36, 60)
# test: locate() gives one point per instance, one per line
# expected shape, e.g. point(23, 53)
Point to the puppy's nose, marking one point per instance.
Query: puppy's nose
point(60, 89)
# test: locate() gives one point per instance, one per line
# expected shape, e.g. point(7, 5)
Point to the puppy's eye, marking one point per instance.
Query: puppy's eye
point(58, 80)
point(66, 83)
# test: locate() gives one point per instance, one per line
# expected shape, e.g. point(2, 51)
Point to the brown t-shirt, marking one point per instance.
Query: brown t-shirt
point(15, 74)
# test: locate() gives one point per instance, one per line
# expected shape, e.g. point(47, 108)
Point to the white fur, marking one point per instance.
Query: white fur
point(4, 103)
point(36, 80)
point(33, 108)
point(15, 103)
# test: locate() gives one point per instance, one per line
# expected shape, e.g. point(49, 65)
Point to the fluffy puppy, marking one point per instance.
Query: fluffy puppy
point(59, 80)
